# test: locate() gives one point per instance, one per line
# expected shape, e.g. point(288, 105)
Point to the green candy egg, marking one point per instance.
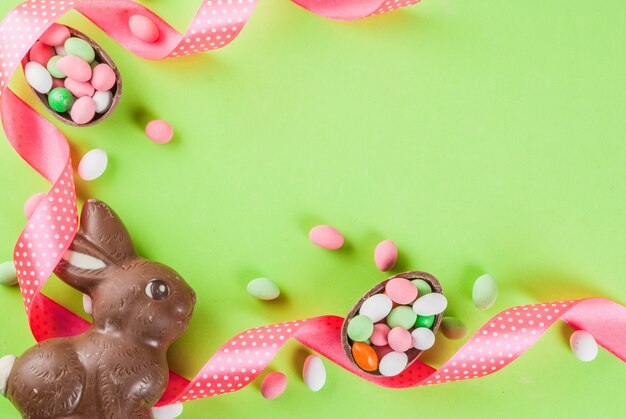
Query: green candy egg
point(425, 321)
point(53, 69)
point(94, 64)
point(80, 48)
point(401, 316)
point(60, 99)
point(360, 328)
point(423, 287)
point(7, 273)
point(263, 289)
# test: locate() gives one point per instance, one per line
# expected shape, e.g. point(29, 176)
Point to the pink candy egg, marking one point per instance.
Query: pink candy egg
point(385, 255)
point(56, 35)
point(326, 237)
point(57, 82)
point(401, 290)
point(159, 131)
point(379, 335)
point(381, 351)
point(143, 28)
point(32, 203)
point(83, 110)
point(75, 68)
point(273, 385)
point(78, 88)
point(103, 77)
point(400, 339)
point(41, 53)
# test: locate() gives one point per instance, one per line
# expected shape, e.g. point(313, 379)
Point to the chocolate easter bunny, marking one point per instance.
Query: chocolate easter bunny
point(118, 367)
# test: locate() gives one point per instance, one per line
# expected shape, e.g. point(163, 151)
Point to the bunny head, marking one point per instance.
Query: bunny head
point(145, 300)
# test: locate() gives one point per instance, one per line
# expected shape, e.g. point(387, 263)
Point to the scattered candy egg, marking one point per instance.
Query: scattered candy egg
point(453, 328)
point(401, 290)
point(103, 77)
point(87, 304)
point(143, 28)
point(429, 304)
point(32, 203)
point(78, 88)
point(273, 385)
point(423, 338)
point(314, 373)
point(326, 237)
point(8, 275)
point(423, 287)
point(379, 335)
point(74, 67)
point(60, 99)
point(170, 411)
point(38, 77)
point(41, 53)
point(103, 101)
point(583, 345)
point(263, 289)
point(93, 164)
point(424, 321)
point(80, 48)
point(159, 131)
point(385, 255)
point(55, 35)
point(484, 292)
point(400, 339)
point(364, 356)
point(401, 316)
point(83, 110)
point(376, 307)
point(393, 363)
point(360, 328)
point(53, 69)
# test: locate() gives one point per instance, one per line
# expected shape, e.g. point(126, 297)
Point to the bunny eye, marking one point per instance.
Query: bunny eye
point(157, 290)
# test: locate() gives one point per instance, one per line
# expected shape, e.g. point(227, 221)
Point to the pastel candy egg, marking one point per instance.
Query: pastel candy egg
point(170, 411)
point(424, 321)
point(273, 385)
point(326, 237)
point(401, 316)
point(78, 88)
point(93, 164)
point(53, 68)
point(80, 48)
point(401, 290)
point(60, 99)
point(381, 351)
point(83, 110)
point(57, 83)
point(314, 373)
point(400, 339)
point(393, 364)
point(159, 131)
point(87, 304)
point(423, 287)
point(376, 307)
point(583, 345)
point(38, 77)
point(423, 338)
point(7, 273)
point(60, 50)
point(103, 77)
point(385, 255)
point(32, 203)
point(364, 356)
point(74, 67)
point(41, 53)
point(263, 289)
point(430, 304)
point(360, 328)
point(143, 28)
point(55, 35)
point(379, 335)
point(484, 292)
point(103, 101)
point(453, 328)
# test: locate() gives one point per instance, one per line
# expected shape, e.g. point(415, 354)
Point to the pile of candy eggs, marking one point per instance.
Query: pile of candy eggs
point(72, 76)
point(394, 323)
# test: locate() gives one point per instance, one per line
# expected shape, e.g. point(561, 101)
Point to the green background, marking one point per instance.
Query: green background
point(479, 135)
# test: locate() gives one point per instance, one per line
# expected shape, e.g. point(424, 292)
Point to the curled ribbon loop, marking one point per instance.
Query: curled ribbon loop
point(52, 227)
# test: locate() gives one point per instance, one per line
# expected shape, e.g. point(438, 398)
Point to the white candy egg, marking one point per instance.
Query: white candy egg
point(484, 292)
point(170, 411)
point(38, 77)
point(314, 373)
point(87, 305)
point(376, 307)
point(583, 345)
point(93, 164)
point(103, 101)
point(393, 364)
point(430, 304)
point(423, 338)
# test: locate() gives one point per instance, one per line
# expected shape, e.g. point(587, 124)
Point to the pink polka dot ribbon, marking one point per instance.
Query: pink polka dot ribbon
point(52, 226)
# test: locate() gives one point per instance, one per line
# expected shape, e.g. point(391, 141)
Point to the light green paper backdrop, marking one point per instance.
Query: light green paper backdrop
point(480, 135)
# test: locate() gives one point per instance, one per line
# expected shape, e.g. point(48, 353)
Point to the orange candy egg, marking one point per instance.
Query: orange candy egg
point(364, 356)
